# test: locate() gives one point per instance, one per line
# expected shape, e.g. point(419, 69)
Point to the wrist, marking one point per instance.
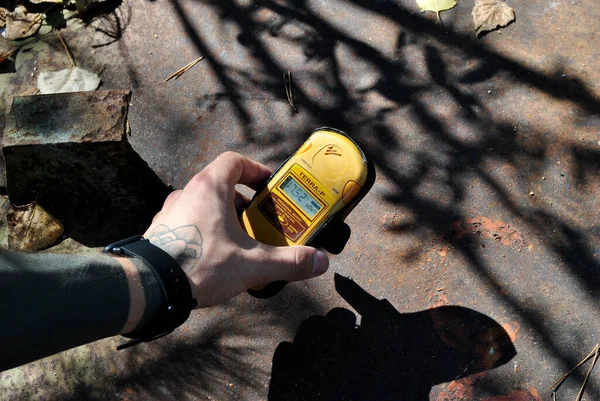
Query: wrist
point(182, 243)
point(145, 293)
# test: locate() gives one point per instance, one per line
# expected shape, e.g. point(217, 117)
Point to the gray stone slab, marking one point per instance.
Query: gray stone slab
point(70, 153)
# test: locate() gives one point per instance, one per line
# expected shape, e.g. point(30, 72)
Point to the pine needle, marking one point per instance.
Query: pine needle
point(37, 19)
point(556, 385)
point(7, 55)
point(287, 81)
point(30, 92)
point(183, 69)
point(28, 225)
point(71, 59)
point(587, 376)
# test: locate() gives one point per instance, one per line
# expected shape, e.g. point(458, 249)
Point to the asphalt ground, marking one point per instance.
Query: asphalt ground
point(481, 231)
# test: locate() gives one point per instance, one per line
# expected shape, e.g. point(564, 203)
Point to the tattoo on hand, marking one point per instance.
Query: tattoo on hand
point(183, 243)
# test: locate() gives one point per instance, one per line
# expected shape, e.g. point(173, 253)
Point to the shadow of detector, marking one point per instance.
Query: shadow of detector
point(306, 200)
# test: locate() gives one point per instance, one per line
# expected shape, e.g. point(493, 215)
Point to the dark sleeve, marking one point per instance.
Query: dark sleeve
point(49, 303)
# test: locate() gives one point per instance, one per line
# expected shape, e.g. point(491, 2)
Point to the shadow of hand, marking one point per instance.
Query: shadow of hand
point(390, 355)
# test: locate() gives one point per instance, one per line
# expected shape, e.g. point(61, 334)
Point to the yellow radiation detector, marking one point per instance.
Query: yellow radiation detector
point(322, 181)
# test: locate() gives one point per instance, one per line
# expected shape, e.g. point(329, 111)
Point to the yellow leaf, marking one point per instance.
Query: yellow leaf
point(436, 6)
point(3, 12)
point(31, 228)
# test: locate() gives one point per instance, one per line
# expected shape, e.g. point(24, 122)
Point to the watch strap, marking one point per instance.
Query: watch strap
point(173, 282)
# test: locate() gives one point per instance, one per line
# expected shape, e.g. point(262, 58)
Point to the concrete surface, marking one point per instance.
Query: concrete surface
point(70, 153)
point(487, 152)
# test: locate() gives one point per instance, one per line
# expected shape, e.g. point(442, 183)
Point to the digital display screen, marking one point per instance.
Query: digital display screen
point(306, 202)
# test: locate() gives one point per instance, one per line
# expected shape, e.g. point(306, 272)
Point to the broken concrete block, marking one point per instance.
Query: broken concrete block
point(70, 153)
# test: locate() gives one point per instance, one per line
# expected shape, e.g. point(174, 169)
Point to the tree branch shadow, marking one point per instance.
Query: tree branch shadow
point(444, 155)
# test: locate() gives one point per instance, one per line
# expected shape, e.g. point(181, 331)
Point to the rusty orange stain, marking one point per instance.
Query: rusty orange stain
point(438, 298)
point(462, 389)
point(443, 300)
point(444, 251)
point(443, 397)
point(130, 394)
point(485, 227)
point(394, 221)
point(533, 391)
point(520, 395)
point(512, 329)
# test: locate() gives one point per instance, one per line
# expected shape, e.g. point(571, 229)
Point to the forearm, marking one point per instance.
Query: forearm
point(49, 303)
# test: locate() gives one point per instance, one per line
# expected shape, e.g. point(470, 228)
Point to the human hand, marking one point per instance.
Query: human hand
point(199, 227)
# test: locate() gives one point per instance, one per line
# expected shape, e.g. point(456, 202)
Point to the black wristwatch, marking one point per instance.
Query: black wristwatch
point(173, 281)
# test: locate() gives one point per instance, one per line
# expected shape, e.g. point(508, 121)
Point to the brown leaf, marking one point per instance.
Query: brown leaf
point(5, 207)
point(6, 55)
point(21, 24)
point(491, 14)
point(6, 45)
point(3, 12)
point(32, 228)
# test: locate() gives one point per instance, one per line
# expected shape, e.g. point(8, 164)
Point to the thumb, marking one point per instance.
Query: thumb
point(287, 263)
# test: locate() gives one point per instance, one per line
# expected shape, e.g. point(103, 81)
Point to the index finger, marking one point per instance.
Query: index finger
point(233, 168)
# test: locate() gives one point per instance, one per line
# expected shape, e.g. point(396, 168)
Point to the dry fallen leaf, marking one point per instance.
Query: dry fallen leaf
point(436, 6)
point(5, 56)
point(491, 14)
point(70, 246)
point(73, 79)
point(7, 49)
point(3, 12)
point(32, 228)
point(20, 24)
point(4, 209)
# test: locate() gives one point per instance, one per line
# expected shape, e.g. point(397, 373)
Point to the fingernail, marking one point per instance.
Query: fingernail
point(320, 263)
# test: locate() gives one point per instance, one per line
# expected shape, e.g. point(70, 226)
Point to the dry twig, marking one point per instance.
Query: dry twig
point(182, 70)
